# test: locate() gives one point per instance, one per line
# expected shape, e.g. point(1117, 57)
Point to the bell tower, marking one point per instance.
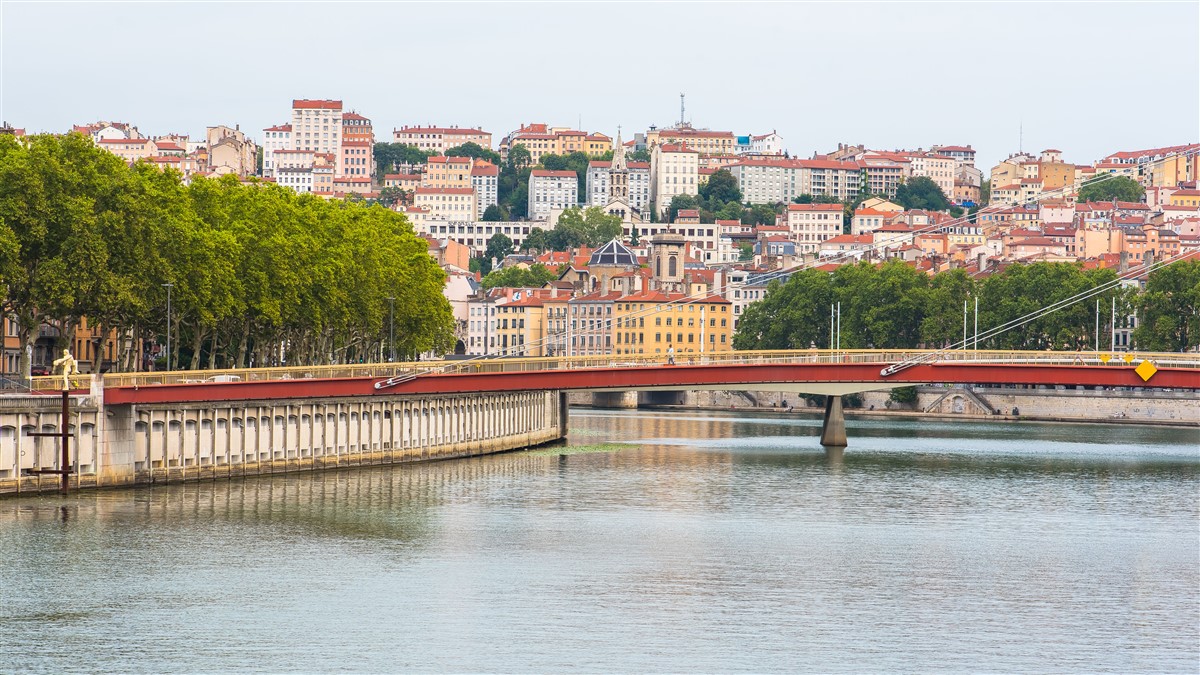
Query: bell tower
point(618, 173)
point(666, 261)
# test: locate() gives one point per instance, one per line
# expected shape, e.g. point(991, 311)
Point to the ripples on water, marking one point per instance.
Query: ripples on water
point(704, 543)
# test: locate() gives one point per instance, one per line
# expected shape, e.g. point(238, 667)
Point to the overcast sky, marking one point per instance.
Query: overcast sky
point(1088, 79)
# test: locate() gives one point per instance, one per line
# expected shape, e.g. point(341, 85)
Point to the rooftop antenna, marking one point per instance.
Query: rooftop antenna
point(681, 117)
point(1021, 138)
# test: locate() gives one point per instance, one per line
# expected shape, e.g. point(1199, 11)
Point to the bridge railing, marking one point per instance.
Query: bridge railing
point(532, 364)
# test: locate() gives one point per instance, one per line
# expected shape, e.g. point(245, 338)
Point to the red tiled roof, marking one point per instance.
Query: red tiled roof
point(548, 173)
point(279, 127)
point(314, 104)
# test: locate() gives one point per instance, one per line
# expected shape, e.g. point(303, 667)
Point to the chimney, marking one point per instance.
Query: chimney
point(1123, 266)
point(982, 261)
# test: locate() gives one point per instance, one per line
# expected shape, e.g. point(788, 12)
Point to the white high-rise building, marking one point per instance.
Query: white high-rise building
point(317, 126)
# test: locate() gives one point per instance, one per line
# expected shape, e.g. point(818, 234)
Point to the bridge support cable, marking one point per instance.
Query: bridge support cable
point(933, 357)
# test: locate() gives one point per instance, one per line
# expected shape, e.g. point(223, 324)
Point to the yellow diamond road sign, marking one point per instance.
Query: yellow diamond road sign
point(1105, 358)
point(1145, 370)
point(1128, 358)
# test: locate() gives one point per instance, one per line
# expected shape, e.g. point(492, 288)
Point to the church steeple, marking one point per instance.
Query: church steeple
point(618, 160)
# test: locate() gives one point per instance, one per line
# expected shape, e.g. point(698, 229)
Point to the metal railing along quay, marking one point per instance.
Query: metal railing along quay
point(533, 364)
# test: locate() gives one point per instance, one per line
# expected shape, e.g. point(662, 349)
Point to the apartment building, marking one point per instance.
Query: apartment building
point(674, 170)
point(278, 137)
point(317, 125)
point(811, 224)
point(542, 139)
point(551, 190)
point(703, 141)
point(447, 172)
point(441, 139)
point(485, 179)
point(447, 203)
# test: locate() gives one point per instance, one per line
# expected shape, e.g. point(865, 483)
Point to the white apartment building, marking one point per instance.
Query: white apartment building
point(485, 179)
point(764, 180)
point(474, 233)
point(551, 190)
point(596, 184)
point(447, 203)
point(811, 224)
point(674, 170)
point(317, 125)
point(275, 138)
point(938, 168)
point(298, 178)
point(767, 144)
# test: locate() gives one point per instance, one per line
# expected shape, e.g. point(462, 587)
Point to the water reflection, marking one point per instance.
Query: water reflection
point(697, 542)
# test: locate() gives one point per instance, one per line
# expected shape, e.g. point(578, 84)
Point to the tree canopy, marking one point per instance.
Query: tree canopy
point(894, 306)
point(921, 193)
point(474, 151)
point(534, 276)
point(583, 227)
point(389, 156)
point(1170, 309)
point(259, 275)
point(1105, 189)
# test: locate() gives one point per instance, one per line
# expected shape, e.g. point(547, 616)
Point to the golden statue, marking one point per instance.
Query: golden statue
point(69, 368)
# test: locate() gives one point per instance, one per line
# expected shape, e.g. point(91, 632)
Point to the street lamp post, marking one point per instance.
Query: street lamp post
point(391, 328)
point(168, 286)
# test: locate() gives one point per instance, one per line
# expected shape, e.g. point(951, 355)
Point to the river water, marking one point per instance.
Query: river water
point(654, 542)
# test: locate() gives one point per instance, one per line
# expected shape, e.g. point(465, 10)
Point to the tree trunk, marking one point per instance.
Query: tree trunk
point(197, 341)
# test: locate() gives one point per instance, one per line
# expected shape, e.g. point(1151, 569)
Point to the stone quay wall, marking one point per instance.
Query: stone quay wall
point(137, 445)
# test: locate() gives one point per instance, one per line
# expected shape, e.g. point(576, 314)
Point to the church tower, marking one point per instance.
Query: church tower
point(618, 174)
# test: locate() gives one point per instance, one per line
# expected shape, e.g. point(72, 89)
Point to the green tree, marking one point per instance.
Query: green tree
point(985, 192)
point(535, 276)
point(474, 151)
point(720, 189)
point(519, 157)
point(498, 247)
point(814, 199)
point(642, 155)
point(1106, 189)
point(942, 322)
point(762, 214)
point(1170, 309)
point(682, 202)
point(492, 214)
point(388, 156)
point(389, 196)
point(537, 240)
point(793, 315)
point(921, 193)
point(745, 253)
point(903, 395)
point(1023, 289)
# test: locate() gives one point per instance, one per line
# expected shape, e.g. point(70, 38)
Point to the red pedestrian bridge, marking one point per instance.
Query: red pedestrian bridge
point(803, 371)
point(820, 372)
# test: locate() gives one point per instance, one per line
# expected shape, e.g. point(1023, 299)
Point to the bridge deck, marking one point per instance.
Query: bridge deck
point(812, 371)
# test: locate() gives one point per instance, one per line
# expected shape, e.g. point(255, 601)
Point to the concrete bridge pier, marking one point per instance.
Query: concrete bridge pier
point(833, 429)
